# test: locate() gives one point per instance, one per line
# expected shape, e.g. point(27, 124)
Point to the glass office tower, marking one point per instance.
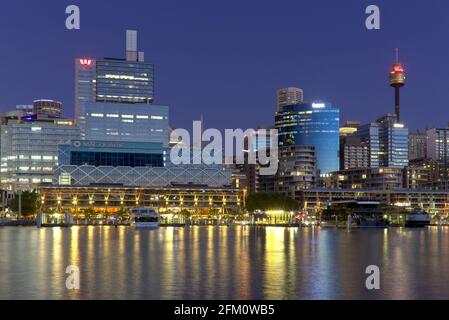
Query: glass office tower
point(136, 123)
point(114, 99)
point(124, 81)
point(312, 124)
point(388, 142)
point(29, 151)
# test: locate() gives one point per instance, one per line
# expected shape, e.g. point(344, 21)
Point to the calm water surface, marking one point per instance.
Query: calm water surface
point(223, 263)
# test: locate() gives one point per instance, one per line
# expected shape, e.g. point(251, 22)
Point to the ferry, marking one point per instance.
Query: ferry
point(145, 218)
point(417, 219)
point(363, 214)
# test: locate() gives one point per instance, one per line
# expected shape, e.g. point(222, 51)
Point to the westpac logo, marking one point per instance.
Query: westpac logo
point(240, 147)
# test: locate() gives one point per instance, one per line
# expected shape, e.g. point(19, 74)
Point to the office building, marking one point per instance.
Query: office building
point(312, 124)
point(387, 142)
point(288, 96)
point(114, 98)
point(354, 153)
point(29, 151)
point(438, 144)
point(417, 145)
point(438, 149)
point(124, 81)
point(297, 171)
point(136, 123)
point(368, 178)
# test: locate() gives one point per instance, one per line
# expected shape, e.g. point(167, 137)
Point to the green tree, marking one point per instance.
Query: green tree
point(122, 214)
point(30, 203)
point(270, 201)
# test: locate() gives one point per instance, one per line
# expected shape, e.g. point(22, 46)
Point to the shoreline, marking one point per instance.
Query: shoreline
point(64, 226)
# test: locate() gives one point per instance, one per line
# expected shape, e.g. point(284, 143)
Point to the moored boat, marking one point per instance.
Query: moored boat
point(417, 219)
point(145, 218)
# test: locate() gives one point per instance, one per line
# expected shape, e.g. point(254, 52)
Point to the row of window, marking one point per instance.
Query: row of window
point(116, 159)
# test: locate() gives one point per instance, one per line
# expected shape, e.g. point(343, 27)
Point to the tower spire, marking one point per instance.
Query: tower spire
point(397, 81)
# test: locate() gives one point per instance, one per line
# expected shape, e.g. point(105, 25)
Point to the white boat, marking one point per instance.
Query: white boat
point(145, 218)
point(417, 219)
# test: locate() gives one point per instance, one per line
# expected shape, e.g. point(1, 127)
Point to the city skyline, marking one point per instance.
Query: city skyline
point(206, 154)
point(210, 76)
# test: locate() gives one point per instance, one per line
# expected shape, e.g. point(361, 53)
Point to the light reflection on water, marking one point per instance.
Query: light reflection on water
point(223, 263)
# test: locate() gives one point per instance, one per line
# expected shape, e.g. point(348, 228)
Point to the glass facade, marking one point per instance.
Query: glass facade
point(116, 159)
point(438, 144)
point(132, 122)
point(29, 151)
point(112, 154)
point(388, 142)
point(312, 124)
point(124, 81)
point(85, 86)
point(114, 102)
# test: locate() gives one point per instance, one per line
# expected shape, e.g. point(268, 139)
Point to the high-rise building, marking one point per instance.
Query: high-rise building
point(438, 144)
point(354, 153)
point(312, 124)
point(136, 123)
point(29, 151)
point(124, 81)
point(387, 141)
point(417, 145)
point(288, 96)
point(297, 171)
point(114, 99)
point(438, 148)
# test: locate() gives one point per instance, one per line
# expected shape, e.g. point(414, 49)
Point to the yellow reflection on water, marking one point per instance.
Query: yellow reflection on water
point(121, 267)
point(168, 261)
point(274, 263)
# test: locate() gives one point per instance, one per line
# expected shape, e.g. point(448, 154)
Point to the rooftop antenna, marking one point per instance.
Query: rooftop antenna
point(397, 55)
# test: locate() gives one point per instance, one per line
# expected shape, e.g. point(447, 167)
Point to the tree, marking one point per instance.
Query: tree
point(270, 201)
point(122, 214)
point(30, 200)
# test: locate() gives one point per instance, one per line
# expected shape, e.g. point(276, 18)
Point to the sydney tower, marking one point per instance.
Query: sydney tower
point(397, 81)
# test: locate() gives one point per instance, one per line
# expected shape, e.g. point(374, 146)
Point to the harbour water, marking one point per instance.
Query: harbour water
point(223, 263)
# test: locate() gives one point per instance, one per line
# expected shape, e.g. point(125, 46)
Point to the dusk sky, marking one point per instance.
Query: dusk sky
point(225, 59)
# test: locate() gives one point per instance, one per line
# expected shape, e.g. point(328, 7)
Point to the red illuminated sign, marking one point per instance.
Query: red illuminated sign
point(397, 69)
point(86, 62)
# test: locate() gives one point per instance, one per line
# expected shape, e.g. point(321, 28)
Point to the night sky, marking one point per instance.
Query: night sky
point(225, 59)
